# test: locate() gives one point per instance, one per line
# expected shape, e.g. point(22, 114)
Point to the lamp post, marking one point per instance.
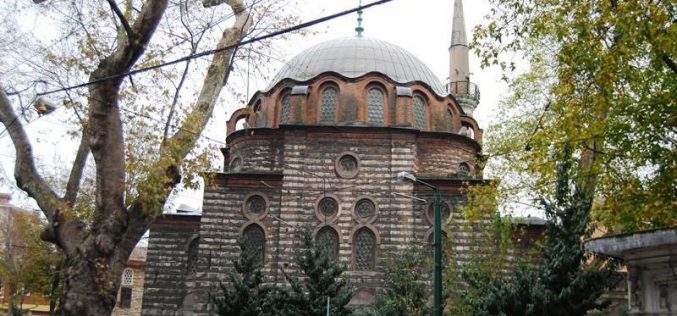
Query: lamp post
point(437, 241)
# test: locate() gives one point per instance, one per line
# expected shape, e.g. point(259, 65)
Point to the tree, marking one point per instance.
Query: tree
point(405, 292)
point(27, 263)
point(566, 281)
point(323, 280)
point(601, 79)
point(136, 168)
point(248, 296)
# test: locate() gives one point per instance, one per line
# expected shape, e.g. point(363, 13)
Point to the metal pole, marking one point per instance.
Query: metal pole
point(437, 273)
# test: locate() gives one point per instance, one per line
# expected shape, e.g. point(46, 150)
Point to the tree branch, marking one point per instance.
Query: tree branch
point(75, 178)
point(214, 81)
point(123, 20)
point(671, 63)
point(25, 172)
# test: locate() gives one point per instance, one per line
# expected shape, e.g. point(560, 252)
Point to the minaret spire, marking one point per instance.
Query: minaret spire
point(467, 93)
point(458, 50)
point(359, 29)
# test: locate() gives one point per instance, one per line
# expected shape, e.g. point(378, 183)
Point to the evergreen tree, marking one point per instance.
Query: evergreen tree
point(323, 279)
point(245, 295)
point(566, 282)
point(406, 292)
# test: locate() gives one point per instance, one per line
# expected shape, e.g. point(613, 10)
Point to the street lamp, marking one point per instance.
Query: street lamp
point(437, 241)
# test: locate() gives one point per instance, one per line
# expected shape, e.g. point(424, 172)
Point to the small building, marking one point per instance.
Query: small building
point(321, 148)
point(130, 294)
point(651, 261)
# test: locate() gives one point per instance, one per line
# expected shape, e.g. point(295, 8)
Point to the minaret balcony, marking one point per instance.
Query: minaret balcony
point(464, 89)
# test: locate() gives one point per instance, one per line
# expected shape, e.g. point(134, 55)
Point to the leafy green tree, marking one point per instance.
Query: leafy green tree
point(406, 290)
point(323, 278)
point(566, 281)
point(245, 294)
point(602, 79)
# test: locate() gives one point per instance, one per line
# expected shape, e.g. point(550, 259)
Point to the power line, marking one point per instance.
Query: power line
point(218, 50)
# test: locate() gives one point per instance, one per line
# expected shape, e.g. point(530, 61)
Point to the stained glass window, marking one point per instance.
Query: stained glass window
point(463, 170)
point(328, 207)
point(256, 204)
point(419, 112)
point(286, 110)
point(127, 276)
point(365, 208)
point(375, 106)
point(329, 98)
point(364, 250)
point(256, 240)
point(328, 240)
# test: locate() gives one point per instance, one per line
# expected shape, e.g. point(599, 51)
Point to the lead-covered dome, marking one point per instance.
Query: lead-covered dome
point(353, 57)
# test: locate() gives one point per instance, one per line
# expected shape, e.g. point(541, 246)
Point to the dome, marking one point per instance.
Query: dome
point(353, 57)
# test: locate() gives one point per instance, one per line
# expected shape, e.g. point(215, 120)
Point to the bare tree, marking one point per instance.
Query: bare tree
point(97, 250)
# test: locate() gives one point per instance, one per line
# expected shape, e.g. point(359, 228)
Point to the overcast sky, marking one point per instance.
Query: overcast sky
point(422, 27)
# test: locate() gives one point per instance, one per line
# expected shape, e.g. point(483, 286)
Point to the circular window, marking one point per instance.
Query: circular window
point(365, 210)
point(347, 165)
point(235, 164)
point(255, 206)
point(445, 212)
point(328, 207)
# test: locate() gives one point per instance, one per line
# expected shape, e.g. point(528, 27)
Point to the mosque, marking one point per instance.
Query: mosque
point(321, 148)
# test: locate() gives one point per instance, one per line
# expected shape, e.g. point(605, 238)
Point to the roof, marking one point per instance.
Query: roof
point(354, 57)
point(619, 245)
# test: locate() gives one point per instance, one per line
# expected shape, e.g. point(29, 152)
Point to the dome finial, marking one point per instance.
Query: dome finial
point(359, 29)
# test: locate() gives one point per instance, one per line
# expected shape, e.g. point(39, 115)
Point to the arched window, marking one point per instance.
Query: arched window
point(375, 103)
point(329, 100)
point(127, 277)
point(419, 112)
point(191, 265)
point(255, 239)
point(467, 130)
point(463, 170)
point(448, 121)
point(327, 240)
point(364, 250)
point(286, 109)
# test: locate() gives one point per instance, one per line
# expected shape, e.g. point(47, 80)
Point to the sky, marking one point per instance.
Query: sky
point(422, 27)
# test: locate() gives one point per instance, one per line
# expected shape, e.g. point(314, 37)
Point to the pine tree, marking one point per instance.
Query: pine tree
point(245, 295)
point(323, 279)
point(566, 282)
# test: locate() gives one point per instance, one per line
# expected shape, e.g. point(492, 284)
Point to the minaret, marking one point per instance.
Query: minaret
point(460, 86)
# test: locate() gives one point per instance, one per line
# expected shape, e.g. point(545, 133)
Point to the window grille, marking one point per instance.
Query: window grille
point(127, 276)
point(375, 106)
point(328, 207)
point(256, 204)
point(329, 100)
point(286, 110)
point(364, 248)
point(445, 212)
point(327, 240)
point(191, 266)
point(256, 240)
point(125, 297)
point(365, 208)
point(463, 170)
point(419, 113)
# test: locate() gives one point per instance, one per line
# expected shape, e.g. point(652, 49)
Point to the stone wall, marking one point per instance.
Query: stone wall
point(167, 263)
